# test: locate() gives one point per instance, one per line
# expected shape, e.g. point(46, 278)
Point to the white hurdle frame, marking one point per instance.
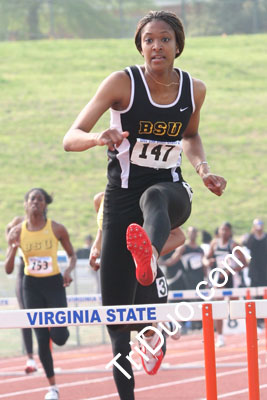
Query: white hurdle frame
point(206, 312)
point(107, 315)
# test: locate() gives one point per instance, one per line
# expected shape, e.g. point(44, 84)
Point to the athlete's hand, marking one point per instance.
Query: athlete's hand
point(14, 244)
point(94, 258)
point(67, 279)
point(111, 138)
point(13, 238)
point(215, 183)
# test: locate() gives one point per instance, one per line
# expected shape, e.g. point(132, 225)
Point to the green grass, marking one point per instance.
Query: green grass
point(44, 85)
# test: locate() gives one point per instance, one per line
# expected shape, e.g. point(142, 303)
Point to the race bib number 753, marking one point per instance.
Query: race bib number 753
point(154, 154)
point(40, 265)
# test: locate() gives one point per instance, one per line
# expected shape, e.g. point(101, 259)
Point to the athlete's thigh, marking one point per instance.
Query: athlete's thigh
point(56, 295)
point(118, 281)
point(31, 293)
point(177, 197)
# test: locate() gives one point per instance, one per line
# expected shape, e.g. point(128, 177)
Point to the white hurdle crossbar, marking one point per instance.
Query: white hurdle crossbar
point(108, 315)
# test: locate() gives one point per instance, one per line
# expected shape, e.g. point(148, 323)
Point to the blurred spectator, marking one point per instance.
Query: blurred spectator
point(205, 241)
point(187, 260)
point(220, 247)
point(256, 242)
point(84, 252)
point(191, 255)
point(26, 332)
point(98, 200)
point(175, 274)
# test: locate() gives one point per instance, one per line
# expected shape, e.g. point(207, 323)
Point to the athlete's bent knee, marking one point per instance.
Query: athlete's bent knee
point(59, 335)
point(151, 196)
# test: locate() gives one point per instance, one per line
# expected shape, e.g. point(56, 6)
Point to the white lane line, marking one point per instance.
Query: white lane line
point(101, 366)
point(109, 378)
point(102, 379)
point(230, 394)
point(171, 383)
point(40, 373)
point(41, 389)
point(98, 368)
point(60, 361)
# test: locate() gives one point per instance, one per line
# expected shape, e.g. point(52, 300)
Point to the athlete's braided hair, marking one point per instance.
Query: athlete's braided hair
point(168, 17)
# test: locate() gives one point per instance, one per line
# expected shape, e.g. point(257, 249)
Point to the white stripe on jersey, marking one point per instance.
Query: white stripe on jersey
point(192, 93)
point(124, 159)
point(124, 149)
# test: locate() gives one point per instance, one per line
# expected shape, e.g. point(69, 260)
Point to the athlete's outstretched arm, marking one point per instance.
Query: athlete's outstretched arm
point(62, 235)
point(94, 257)
point(13, 240)
point(193, 148)
point(111, 93)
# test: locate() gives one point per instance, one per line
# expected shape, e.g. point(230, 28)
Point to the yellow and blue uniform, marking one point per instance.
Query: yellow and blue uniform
point(39, 250)
point(43, 285)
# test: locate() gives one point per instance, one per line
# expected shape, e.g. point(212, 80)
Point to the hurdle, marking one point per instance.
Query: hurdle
point(130, 314)
point(251, 310)
point(177, 295)
point(262, 291)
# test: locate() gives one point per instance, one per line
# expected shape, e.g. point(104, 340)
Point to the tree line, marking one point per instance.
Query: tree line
point(43, 19)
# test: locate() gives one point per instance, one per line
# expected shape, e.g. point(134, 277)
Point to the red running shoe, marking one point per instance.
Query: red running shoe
point(151, 363)
point(30, 366)
point(139, 245)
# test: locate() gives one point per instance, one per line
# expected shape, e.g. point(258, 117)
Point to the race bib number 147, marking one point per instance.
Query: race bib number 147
point(154, 154)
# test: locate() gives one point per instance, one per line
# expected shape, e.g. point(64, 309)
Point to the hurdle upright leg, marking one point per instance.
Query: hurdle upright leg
point(209, 352)
point(252, 352)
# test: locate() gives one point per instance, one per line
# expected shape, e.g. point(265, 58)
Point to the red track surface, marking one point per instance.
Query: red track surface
point(179, 384)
